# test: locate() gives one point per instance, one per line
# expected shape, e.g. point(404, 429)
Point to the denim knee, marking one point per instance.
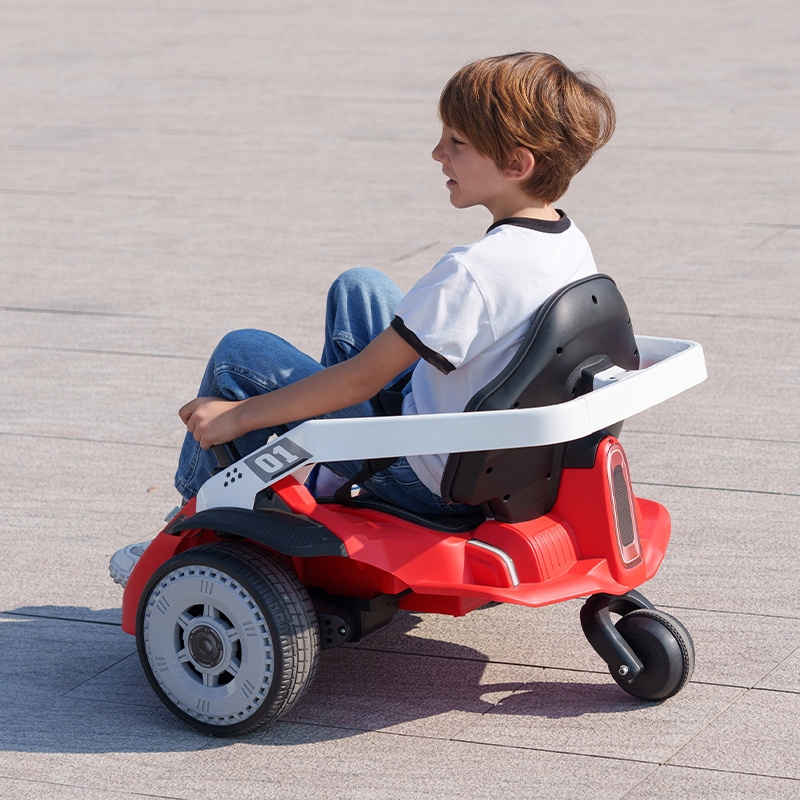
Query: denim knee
point(246, 348)
point(233, 344)
point(356, 279)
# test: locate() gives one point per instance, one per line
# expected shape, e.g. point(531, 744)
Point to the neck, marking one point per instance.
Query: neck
point(532, 209)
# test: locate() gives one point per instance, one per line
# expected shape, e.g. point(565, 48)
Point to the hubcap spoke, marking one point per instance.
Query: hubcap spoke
point(233, 635)
point(185, 620)
point(233, 667)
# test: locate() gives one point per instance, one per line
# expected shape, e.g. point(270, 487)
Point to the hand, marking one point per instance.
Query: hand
point(211, 421)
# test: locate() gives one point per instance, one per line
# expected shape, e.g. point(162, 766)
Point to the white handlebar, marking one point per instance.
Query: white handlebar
point(668, 367)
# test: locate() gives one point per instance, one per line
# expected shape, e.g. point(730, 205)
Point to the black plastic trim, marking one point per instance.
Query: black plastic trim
point(603, 636)
point(358, 615)
point(286, 533)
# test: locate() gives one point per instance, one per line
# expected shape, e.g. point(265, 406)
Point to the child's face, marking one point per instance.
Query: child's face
point(474, 179)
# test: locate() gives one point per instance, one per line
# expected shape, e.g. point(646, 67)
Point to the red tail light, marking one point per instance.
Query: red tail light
point(625, 522)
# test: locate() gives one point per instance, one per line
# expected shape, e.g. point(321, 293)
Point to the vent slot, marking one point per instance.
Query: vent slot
point(622, 501)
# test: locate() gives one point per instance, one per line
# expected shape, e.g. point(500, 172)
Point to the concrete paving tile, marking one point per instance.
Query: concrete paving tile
point(124, 271)
point(749, 465)
point(46, 658)
point(550, 636)
point(377, 685)
point(593, 717)
point(290, 270)
point(785, 676)
point(724, 404)
point(105, 333)
point(742, 291)
point(85, 595)
point(421, 28)
point(742, 649)
point(64, 406)
point(46, 790)
point(82, 727)
point(247, 226)
point(167, 317)
point(376, 765)
point(669, 782)
point(210, 149)
point(731, 649)
point(124, 683)
point(145, 313)
point(757, 735)
point(730, 551)
point(90, 499)
point(728, 269)
point(299, 761)
point(718, 519)
point(408, 694)
point(716, 187)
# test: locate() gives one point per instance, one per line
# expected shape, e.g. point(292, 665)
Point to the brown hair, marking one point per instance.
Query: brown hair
point(530, 100)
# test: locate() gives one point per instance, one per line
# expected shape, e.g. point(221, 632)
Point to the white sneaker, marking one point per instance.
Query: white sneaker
point(123, 562)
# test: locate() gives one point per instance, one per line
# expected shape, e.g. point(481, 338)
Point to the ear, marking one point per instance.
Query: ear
point(521, 166)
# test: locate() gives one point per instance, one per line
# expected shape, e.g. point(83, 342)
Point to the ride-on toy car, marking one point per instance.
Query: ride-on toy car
point(232, 602)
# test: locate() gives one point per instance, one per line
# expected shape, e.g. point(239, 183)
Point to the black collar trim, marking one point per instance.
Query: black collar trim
point(541, 225)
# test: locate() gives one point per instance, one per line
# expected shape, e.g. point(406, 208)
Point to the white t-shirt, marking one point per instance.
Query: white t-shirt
point(468, 315)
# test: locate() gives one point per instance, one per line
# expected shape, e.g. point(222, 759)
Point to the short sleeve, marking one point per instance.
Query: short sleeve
point(443, 317)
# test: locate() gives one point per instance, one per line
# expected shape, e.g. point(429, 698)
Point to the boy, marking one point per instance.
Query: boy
point(516, 129)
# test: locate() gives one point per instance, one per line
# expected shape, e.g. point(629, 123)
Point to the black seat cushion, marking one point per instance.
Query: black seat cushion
point(445, 523)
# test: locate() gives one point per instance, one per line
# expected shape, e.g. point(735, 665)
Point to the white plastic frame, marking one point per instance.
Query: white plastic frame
point(667, 368)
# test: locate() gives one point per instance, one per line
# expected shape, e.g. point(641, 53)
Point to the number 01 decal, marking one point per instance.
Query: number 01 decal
point(277, 458)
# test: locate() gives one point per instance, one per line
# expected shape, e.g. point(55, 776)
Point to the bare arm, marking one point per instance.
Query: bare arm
point(212, 421)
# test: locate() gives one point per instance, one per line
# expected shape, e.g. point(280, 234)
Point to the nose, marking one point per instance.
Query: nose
point(438, 152)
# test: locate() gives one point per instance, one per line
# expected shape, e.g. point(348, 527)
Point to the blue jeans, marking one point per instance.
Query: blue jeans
point(246, 363)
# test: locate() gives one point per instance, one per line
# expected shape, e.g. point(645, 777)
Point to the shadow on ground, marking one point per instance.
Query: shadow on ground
point(77, 686)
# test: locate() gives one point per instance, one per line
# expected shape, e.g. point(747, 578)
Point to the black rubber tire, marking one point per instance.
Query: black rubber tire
point(664, 647)
point(227, 613)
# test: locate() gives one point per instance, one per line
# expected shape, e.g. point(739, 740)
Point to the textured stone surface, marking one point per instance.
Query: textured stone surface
point(172, 171)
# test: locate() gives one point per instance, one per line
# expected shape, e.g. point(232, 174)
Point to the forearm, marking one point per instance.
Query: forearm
point(213, 421)
point(326, 391)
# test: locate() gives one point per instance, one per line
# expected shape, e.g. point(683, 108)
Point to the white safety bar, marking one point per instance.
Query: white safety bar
point(667, 368)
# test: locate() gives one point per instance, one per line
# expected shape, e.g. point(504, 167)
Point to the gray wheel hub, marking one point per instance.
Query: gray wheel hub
point(208, 644)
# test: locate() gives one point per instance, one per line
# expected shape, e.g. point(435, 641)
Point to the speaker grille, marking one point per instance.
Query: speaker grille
point(623, 503)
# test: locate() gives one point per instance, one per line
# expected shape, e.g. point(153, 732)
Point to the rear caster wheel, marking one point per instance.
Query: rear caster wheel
point(228, 637)
point(665, 649)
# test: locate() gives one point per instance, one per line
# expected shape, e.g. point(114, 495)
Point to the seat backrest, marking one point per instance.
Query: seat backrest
point(580, 330)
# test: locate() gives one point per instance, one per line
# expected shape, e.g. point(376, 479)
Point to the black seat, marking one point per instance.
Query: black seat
point(580, 330)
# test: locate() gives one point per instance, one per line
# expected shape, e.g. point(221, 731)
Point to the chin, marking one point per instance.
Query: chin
point(461, 203)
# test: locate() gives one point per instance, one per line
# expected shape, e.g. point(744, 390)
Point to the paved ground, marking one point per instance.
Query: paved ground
point(171, 170)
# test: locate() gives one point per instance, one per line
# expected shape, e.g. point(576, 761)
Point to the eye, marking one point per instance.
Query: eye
point(456, 141)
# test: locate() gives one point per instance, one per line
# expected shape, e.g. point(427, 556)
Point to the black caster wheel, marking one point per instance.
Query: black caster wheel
point(227, 637)
point(665, 649)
